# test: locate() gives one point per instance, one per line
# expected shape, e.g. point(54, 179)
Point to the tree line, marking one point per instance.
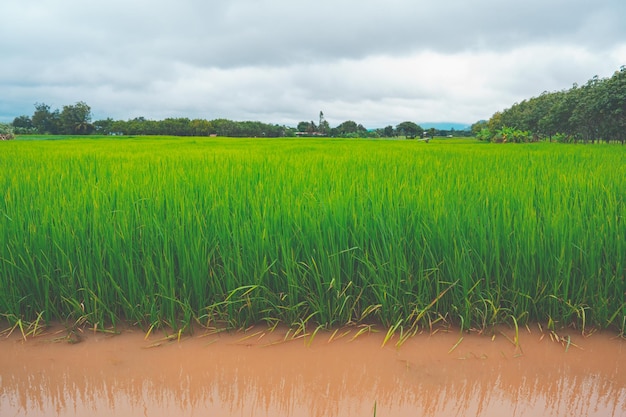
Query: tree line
point(76, 119)
point(351, 129)
point(72, 120)
point(592, 113)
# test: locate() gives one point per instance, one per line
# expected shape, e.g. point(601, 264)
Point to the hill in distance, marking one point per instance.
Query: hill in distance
point(445, 126)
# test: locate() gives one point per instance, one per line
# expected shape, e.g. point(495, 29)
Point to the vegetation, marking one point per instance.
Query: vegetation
point(73, 120)
point(410, 130)
point(316, 232)
point(76, 120)
point(592, 113)
point(6, 132)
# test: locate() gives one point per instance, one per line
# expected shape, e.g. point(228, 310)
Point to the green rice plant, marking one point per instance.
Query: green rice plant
point(26, 328)
point(170, 232)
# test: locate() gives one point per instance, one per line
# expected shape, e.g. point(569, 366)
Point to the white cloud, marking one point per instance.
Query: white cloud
point(379, 62)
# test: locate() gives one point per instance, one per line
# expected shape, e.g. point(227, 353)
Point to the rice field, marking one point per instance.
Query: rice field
point(307, 233)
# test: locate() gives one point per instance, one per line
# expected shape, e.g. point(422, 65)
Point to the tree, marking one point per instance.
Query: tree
point(76, 119)
point(478, 127)
point(495, 123)
point(175, 126)
point(615, 104)
point(347, 127)
point(199, 127)
point(484, 135)
point(44, 120)
point(22, 122)
point(590, 113)
point(305, 127)
point(389, 131)
point(23, 125)
point(323, 127)
point(6, 132)
point(410, 130)
point(104, 127)
point(224, 127)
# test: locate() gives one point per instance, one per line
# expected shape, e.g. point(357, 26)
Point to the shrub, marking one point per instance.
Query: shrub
point(484, 135)
point(6, 132)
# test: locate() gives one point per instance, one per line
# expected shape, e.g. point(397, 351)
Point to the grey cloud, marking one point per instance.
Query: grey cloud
point(239, 33)
point(325, 31)
point(281, 60)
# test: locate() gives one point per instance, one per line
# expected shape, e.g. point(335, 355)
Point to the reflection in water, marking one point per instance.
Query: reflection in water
point(228, 375)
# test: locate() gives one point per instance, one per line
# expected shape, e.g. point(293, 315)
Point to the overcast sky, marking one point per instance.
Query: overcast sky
point(377, 62)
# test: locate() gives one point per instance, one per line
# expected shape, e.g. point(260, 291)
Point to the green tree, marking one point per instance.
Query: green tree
point(612, 106)
point(346, 128)
point(175, 126)
point(46, 121)
point(495, 122)
point(6, 132)
point(23, 125)
point(478, 127)
point(323, 127)
point(104, 127)
point(22, 122)
point(306, 127)
point(590, 113)
point(76, 119)
point(410, 130)
point(484, 135)
point(199, 127)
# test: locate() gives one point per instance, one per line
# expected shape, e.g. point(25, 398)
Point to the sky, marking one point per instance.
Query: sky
point(376, 62)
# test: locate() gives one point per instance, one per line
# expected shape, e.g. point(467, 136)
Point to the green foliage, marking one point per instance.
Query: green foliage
point(323, 127)
point(185, 127)
point(170, 232)
point(23, 125)
point(388, 132)
point(349, 129)
point(509, 134)
point(6, 132)
point(478, 127)
point(46, 121)
point(22, 122)
point(307, 127)
point(484, 135)
point(410, 130)
point(592, 113)
point(562, 138)
point(76, 119)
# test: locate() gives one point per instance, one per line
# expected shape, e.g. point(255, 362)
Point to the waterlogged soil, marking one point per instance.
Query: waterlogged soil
point(262, 373)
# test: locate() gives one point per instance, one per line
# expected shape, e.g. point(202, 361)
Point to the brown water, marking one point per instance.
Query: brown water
point(258, 373)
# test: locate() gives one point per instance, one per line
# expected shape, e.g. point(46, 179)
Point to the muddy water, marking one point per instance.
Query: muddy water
point(258, 373)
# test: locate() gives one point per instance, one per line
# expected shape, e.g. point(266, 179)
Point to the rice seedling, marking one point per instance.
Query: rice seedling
point(313, 234)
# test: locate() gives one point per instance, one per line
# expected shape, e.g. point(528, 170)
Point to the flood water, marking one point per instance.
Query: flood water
point(259, 373)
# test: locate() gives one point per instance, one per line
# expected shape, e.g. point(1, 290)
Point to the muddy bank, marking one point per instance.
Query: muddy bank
point(260, 373)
